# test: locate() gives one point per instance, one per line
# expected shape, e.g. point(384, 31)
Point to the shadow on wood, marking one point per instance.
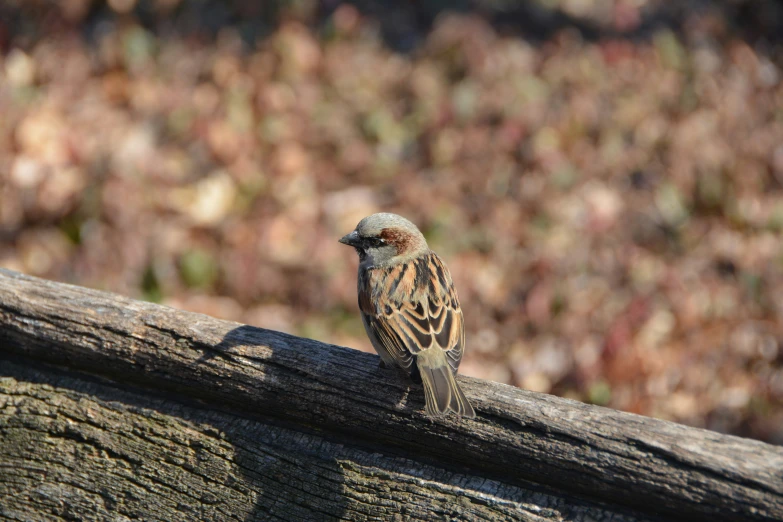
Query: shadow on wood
point(118, 408)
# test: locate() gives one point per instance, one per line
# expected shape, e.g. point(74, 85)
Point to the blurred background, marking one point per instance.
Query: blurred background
point(604, 178)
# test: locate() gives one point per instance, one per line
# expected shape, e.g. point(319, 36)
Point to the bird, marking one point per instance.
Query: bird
point(410, 309)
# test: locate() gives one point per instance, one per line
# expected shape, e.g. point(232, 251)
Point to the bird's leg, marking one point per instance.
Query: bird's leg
point(415, 375)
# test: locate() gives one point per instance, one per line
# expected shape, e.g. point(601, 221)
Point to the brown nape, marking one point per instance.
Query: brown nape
point(403, 241)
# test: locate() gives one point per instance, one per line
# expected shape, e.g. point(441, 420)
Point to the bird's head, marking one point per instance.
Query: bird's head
point(385, 239)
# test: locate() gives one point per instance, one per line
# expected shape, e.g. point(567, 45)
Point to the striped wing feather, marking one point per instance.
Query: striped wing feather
point(412, 307)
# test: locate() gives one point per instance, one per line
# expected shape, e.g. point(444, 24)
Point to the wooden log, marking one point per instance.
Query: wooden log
point(213, 418)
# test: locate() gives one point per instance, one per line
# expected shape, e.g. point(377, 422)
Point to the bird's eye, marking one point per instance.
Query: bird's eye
point(376, 241)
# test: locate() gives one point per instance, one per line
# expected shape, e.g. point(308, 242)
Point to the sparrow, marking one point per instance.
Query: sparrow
point(410, 308)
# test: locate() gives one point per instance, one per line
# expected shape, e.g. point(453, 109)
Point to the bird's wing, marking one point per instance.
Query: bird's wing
point(412, 307)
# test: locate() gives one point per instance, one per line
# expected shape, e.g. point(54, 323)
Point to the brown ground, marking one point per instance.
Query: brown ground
point(603, 178)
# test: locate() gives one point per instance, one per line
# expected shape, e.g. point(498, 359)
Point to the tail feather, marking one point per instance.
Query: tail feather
point(441, 391)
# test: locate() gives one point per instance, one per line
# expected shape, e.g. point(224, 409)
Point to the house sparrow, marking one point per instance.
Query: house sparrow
point(410, 308)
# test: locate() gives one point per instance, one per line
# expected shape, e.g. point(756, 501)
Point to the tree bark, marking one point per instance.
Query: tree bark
point(115, 408)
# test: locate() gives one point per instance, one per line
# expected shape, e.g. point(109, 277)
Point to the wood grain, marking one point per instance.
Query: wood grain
point(567, 454)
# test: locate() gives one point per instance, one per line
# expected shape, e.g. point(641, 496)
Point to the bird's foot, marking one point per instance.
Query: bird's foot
point(415, 375)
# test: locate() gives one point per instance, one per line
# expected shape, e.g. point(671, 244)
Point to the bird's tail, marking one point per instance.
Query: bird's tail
point(441, 391)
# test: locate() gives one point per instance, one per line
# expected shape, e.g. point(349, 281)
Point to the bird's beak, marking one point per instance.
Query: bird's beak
point(351, 239)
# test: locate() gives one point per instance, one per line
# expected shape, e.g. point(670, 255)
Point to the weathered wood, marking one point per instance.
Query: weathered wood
point(89, 451)
point(322, 414)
